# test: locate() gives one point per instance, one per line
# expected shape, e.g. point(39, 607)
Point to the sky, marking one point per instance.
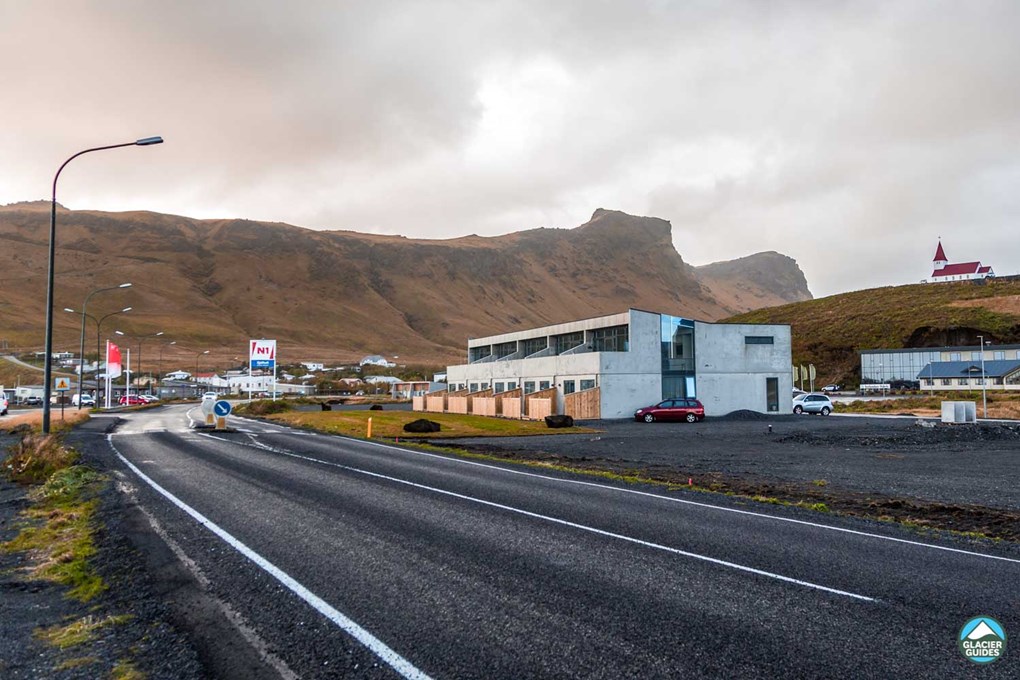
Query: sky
point(847, 135)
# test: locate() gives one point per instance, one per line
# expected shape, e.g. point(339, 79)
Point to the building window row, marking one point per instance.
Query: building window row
point(612, 339)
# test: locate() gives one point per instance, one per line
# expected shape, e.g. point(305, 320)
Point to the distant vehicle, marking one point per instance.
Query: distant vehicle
point(33, 401)
point(831, 388)
point(3, 405)
point(148, 398)
point(130, 400)
point(689, 410)
point(812, 403)
point(213, 396)
point(86, 400)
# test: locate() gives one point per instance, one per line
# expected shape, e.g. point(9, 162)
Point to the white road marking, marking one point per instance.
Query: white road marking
point(684, 501)
point(348, 625)
point(574, 525)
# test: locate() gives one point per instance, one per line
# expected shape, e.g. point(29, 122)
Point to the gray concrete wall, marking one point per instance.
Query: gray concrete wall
point(731, 374)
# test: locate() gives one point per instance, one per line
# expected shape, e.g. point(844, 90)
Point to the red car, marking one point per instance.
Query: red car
point(132, 400)
point(689, 410)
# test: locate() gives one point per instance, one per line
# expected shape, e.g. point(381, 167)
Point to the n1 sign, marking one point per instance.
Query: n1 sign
point(262, 353)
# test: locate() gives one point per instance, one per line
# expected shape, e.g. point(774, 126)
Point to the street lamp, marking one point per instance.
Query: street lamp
point(196, 368)
point(141, 339)
point(81, 351)
point(48, 369)
point(99, 339)
point(159, 369)
point(984, 388)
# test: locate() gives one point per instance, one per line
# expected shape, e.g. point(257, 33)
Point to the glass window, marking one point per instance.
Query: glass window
point(473, 387)
point(759, 340)
point(529, 386)
point(947, 381)
point(568, 387)
point(476, 353)
point(499, 388)
point(955, 356)
point(543, 385)
point(613, 339)
point(587, 384)
point(561, 343)
point(511, 386)
point(999, 355)
point(975, 356)
point(533, 346)
point(504, 349)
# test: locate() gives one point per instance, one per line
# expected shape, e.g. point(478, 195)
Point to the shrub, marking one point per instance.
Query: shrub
point(36, 457)
point(264, 407)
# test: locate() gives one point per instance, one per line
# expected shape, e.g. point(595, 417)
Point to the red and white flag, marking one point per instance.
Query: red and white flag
point(112, 360)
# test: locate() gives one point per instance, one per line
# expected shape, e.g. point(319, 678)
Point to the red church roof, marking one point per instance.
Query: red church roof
point(961, 268)
point(940, 255)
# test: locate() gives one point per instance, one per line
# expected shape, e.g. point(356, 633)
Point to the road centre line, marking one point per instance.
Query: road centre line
point(348, 625)
point(563, 522)
point(684, 501)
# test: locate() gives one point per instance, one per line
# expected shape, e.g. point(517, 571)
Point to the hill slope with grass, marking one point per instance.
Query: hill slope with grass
point(339, 295)
point(829, 332)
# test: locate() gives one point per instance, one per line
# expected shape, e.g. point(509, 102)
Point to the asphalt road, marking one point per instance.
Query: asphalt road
point(347, 558)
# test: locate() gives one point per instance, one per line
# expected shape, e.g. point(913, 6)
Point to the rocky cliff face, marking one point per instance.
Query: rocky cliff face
point(339, 295)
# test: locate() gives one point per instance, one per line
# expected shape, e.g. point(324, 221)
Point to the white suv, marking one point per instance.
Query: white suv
point(812, 403)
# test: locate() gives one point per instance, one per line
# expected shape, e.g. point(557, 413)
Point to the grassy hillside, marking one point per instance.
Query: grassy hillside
point(828, 332)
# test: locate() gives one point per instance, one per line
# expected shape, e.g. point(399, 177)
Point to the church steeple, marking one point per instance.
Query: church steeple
point(940, 260)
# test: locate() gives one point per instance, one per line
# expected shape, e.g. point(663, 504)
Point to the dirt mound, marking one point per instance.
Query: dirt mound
point(745, 415)
point(919, 436)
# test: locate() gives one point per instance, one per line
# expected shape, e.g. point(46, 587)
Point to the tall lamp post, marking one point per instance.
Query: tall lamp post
point(48, 369)
point(81, 352)
point(984, 387)
point(196, 369)
point(99, 339)
point(141, 339)
point(159, 368)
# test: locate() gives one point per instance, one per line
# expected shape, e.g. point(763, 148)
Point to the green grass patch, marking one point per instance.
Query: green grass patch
point(36, 457)
point(126, 670)
point(263, 407)
point(390, 424)
point(79, 631)
point(59, 528)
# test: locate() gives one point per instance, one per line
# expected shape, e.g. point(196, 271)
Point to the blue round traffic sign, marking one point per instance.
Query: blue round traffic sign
point(221, 408)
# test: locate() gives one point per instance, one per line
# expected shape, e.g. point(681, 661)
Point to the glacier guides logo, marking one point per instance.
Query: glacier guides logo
point(982, 639)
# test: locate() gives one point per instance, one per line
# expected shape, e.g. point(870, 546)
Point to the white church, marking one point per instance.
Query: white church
point(963, 271)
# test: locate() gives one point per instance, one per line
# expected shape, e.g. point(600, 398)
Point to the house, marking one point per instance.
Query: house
point(178, 375)
point(313, 366)
point(963, 271)
point(376, 360)
point(607, 367)
point(995, 374)
point(904, 368)
point(415, 388)
point(381, 379)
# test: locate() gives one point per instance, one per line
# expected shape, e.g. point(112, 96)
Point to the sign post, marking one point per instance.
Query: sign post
point(262, 354)
point(61, 385)
point(221, 409)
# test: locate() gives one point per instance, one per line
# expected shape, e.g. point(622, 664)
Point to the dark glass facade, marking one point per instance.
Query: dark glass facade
point(677, 357)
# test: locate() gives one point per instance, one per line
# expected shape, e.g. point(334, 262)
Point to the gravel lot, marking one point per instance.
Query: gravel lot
point(888, 458)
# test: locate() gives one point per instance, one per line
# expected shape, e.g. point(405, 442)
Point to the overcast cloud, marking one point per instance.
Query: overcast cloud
point(848, 135)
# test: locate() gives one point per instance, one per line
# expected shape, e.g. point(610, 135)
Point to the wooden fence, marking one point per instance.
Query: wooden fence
point(586, 405)
point(541, 404)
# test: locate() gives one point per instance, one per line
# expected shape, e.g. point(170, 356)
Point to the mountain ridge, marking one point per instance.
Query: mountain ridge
point(341, 294)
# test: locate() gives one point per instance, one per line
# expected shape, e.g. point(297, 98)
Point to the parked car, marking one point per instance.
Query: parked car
point(831, 388)
point(3, 404)
point(210, 396)
point(130, 400)
point(33, 401)
point(86, 400)
point(813, 403)
point(689, 410)
point(148, 398)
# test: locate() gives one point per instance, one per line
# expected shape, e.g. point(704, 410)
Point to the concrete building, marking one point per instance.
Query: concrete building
point(912, 368)
point(608, 367)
